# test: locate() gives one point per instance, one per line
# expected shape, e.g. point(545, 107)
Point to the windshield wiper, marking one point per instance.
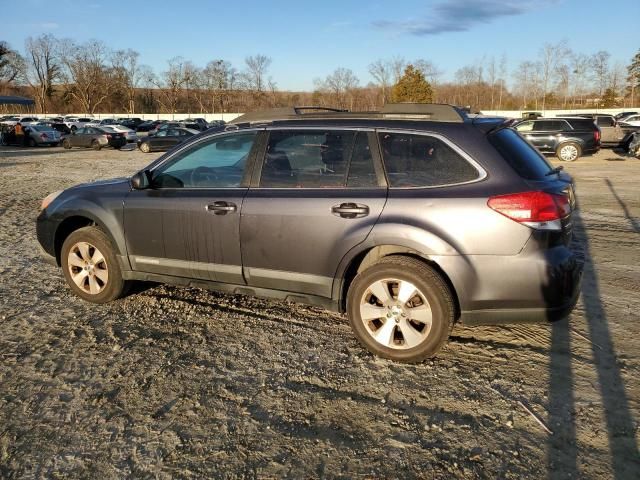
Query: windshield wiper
point(558, 169)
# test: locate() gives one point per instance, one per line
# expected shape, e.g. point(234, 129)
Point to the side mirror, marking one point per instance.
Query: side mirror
point(140, 180)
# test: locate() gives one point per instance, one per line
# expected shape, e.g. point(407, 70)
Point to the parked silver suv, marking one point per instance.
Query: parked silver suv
point(408, 219)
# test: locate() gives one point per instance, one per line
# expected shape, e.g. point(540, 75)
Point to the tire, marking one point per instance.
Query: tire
point(66, 144)
point(407, 339)
point(31, 142)
point(568, 152)
point(73, 128)
point(144, 147)
point(96, 145)
point(87, 255)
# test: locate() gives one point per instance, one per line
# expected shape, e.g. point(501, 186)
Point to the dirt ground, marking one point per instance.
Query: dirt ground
point(186, 383)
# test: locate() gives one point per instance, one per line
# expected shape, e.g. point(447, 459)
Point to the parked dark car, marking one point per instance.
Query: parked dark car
point(165, 139)
point(149, 125)
point(409, 220)
point(131, 123)
point(94, 137)
point(166, 126)
point(568, 139)
point(216, 124)
point(199, 123)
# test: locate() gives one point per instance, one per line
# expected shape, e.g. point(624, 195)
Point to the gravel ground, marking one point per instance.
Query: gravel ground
point(187, 383)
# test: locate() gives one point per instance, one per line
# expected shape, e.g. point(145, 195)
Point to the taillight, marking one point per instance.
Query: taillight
point(541, 210)
point(596, 135)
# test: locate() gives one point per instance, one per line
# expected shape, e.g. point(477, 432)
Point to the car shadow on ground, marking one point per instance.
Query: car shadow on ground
point(562, 447)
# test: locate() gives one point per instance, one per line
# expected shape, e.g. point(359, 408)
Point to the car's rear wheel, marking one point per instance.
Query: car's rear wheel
point(90, 266)
point(96, 145)
point(401, 309)
point(568, 152)
point(144, 147)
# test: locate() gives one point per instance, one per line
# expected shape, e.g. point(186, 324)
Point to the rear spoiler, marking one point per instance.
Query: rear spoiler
point(489, 124)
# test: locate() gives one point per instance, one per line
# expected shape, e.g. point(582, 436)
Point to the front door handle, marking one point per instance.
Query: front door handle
point(350, 210)
point(221, 208)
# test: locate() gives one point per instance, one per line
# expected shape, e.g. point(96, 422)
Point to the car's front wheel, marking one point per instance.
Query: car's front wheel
point(66, 144)
point(144, 147)
point(90, 266)
point(401, 309)
point(568, 152)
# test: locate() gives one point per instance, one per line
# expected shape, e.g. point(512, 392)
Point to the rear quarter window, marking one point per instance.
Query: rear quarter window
point(412, 160)
point(517, 152)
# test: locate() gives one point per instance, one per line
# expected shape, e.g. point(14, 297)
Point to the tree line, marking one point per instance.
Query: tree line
point(62, 76)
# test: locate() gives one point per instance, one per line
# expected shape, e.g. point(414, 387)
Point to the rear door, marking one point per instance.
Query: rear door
point(317, 194)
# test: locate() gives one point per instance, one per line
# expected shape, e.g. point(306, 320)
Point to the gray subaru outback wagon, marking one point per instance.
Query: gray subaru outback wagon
point(408, 220)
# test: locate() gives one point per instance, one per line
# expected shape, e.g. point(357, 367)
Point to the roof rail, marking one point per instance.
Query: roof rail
point(283, 113)
point(439, 112)
point(434, 112)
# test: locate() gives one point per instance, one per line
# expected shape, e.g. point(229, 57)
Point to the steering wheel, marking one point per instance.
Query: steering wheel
point(201, 175)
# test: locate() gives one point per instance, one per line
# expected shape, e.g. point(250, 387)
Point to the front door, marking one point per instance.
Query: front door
point(187, 223)
point(318, 195)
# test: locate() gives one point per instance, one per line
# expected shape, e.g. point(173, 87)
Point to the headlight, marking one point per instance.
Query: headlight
point(49, 198)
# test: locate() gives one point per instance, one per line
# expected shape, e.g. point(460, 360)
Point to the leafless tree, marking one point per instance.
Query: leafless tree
point(89, 76)
point(580, 65)
point(381, 71)
point(256, 72)
point(503, 76)
point(131, 75)
point(551, 55)
point(341, 84)
point(42, 68)
point(600, 69)
point(398, 64)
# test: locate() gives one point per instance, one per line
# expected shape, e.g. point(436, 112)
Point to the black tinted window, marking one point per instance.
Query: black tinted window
point(517, 152)
point(361, 171)
point(306, 159)
point(604, 122)
point(422, 161)
point(549, 125)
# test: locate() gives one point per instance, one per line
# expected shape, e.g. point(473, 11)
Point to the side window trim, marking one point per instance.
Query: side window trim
point(482, 173)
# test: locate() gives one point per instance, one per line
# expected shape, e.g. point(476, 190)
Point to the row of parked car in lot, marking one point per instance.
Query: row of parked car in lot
point(570, 136)
point(159, 135)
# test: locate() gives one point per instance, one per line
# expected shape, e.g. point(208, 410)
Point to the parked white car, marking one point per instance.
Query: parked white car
point(632, 120)
point(23, 120)
point(77, 122)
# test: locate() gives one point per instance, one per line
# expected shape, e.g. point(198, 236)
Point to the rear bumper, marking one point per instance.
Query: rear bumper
point(532, 287)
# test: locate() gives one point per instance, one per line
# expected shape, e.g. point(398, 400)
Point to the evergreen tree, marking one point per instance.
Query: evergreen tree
point(412, 87)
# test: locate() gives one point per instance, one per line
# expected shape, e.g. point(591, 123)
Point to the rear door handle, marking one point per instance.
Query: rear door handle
point(221, 207)
point(350, 210)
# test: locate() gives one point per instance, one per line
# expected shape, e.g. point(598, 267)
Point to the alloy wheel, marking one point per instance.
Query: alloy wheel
point(396, 314)
point(88, 268)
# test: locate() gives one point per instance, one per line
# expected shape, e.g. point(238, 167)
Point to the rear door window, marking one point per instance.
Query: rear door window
point(307, 158)
point(413, 160)
point(517, 152)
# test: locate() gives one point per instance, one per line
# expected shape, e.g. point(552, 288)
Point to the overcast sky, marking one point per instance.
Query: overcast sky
point(310, 39)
